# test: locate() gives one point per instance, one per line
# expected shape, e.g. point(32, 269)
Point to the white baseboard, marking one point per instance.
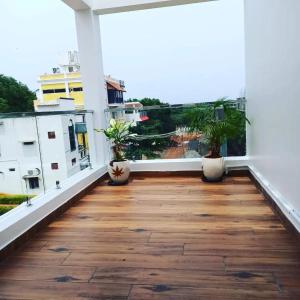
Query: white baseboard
point(286, 208)
point(186, 164)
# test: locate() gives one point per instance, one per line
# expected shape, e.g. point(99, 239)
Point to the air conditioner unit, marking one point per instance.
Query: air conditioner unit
point(30, 172)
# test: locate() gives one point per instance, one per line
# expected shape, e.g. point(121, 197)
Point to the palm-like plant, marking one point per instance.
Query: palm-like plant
point(118, 133)
point(218, 122)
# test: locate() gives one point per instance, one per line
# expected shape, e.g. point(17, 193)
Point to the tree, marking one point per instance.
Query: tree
point(15, 96)
point(218, 122)
point(159, 122)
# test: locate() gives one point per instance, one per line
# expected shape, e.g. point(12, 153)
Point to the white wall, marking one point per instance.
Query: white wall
point(273, 96)
point(10, 178)
point(16, 159)
point(15, 155)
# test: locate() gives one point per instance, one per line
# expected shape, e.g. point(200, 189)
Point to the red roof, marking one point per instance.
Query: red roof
point(114, 86)
point(144, 118)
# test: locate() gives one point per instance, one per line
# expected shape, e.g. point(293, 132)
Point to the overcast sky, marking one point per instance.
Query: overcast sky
point(179, 54)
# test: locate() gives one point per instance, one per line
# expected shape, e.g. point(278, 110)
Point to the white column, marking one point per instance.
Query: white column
point(91, 65)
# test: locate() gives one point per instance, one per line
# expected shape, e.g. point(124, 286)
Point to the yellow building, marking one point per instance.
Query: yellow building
point(67, 85)
point(65, 82)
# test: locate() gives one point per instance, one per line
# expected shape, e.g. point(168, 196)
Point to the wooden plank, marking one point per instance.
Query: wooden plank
point(46, 273)
point(283, 264)
point(51, 258)
point(61, 290)
point(187, 278)
point(56, 234)
point(116, 248)
point(246, 251)
point(145, 261)
point(169, 292)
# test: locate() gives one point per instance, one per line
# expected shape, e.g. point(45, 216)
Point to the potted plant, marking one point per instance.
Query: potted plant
point(118, 133)
point(217, 122)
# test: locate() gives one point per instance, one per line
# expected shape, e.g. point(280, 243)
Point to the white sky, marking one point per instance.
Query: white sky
point(179, 54)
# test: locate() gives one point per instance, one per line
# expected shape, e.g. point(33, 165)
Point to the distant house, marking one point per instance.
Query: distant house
point(115, 91)
point(37, 150)
point(134, 112)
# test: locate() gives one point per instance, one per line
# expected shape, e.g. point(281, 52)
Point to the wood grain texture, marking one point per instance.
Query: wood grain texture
point(166, 237)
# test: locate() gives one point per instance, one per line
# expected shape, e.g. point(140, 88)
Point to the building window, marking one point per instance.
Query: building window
point(33, 183)
point(53, 91)
point(78, 89)
point(54, 166)
point(51, 135)
point(59, 90)
point(72, 137)
point(48, 91)
point(12, 169)
point(73, 161)
point(28, 143)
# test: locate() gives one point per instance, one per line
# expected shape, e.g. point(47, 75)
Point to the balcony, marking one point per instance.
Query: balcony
point(160, 237)
point(167, 234)
point(115, 98)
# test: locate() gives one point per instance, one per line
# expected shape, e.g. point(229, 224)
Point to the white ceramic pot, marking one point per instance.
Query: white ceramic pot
point(119, 171)
point(213, 168)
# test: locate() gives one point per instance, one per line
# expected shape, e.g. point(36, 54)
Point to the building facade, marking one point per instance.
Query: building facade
point(36, 151)
point(65, 82)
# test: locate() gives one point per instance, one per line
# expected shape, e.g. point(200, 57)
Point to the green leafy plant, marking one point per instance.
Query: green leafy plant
point(118, 133)
point(218, 122)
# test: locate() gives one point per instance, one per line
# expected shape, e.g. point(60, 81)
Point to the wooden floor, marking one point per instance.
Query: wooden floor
point(172, 238)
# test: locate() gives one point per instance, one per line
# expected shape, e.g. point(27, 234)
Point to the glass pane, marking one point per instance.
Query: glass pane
point(164, 132)
point(40, 151)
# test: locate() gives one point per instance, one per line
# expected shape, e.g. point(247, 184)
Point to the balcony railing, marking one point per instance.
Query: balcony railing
point(40, 151)
point(115, 97)
point(163, 132)
point(55, 157)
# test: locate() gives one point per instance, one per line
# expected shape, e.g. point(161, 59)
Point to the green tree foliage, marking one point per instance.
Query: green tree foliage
point(218, 122)
point(147, 101)
point(160, 121)
point(14, 96)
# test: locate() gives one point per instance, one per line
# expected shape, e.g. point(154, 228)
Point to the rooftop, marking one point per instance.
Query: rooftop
point(170, 237)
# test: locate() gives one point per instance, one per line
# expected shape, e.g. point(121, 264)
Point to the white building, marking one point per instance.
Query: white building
point(134, 112)
point(36, 150)
point(65, 81)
